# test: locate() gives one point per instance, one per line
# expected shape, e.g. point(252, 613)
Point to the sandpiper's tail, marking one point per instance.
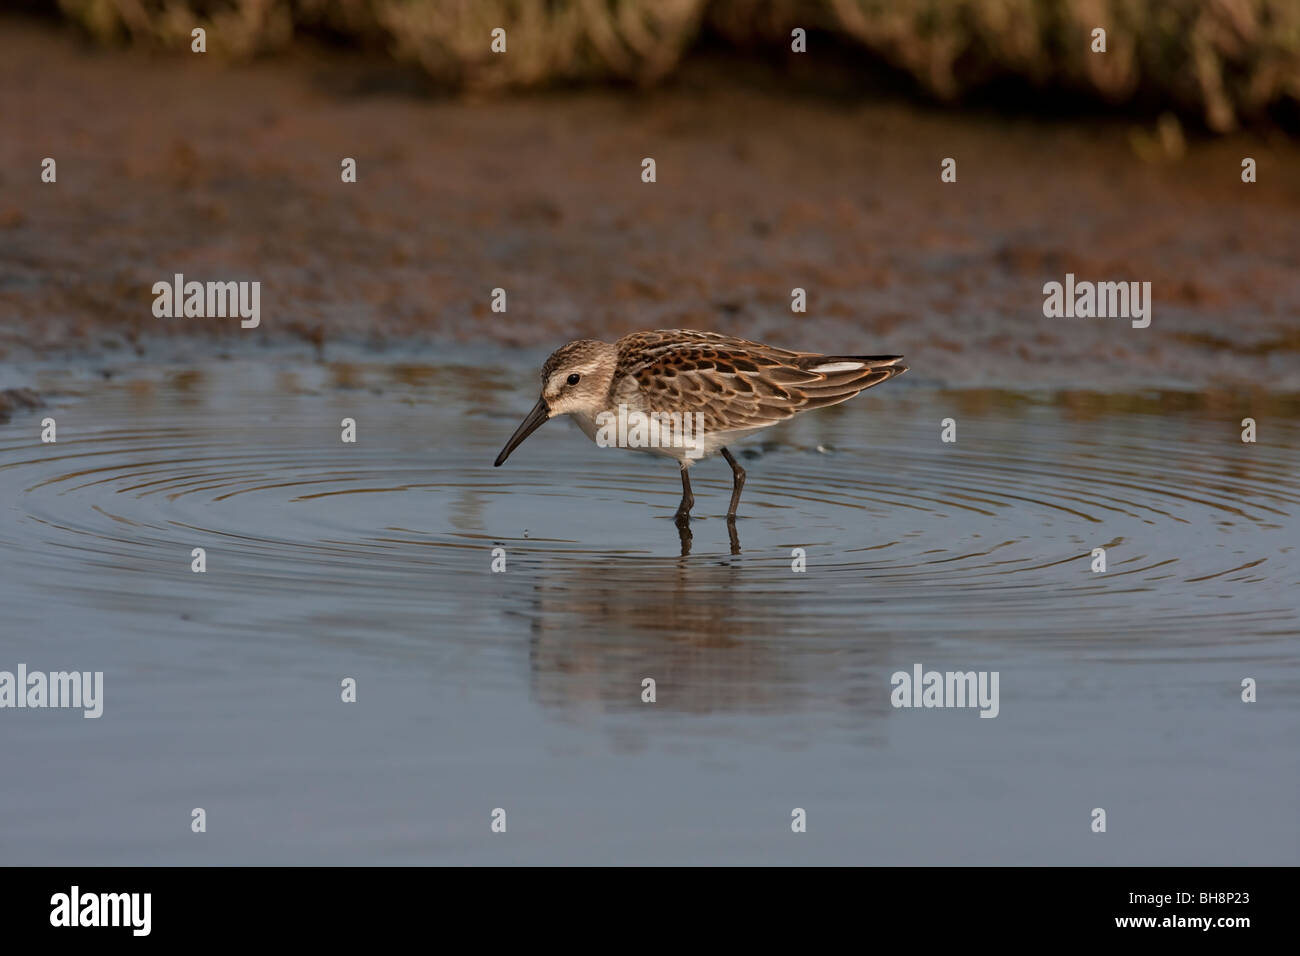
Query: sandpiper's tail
point(888, 365)
point(840, 377)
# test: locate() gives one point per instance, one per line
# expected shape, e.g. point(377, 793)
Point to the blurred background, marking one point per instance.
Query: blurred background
point(1222, 62)
point(776, 170)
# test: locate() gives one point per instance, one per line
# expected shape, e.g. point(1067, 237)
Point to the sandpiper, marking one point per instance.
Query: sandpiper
point(687, 395)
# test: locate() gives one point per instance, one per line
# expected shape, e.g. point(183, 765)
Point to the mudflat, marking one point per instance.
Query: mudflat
point(180, 164)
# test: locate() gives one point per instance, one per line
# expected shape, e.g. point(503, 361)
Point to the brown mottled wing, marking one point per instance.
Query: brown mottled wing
point(739, 384)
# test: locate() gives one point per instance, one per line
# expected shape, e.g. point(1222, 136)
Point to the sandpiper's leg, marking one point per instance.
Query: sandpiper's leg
point(688, 499)
point(738, 474)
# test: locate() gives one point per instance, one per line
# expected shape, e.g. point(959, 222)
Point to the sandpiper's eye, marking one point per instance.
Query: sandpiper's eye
point(573, 379)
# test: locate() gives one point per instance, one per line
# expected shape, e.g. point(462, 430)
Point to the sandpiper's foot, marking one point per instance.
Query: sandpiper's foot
point(737, 483)
point(688, 500)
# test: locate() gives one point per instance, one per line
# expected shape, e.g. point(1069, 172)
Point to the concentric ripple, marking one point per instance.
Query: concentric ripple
point(395, 534)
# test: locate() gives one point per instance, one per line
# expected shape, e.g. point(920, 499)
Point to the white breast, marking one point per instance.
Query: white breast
point(704, 445)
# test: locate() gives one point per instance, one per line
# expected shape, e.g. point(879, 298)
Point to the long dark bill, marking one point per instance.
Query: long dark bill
point(535, 418)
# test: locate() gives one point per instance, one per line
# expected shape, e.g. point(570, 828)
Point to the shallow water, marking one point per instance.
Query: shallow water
point(522, 690)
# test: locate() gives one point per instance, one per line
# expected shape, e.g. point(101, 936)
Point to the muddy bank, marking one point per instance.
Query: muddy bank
point(183, 165)
point(17, 400)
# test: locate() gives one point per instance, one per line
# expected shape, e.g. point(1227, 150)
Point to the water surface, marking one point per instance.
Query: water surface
point(522, 690)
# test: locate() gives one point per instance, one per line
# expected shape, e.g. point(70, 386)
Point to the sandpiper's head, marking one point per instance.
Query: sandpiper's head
point(576, 377)
point(575, 380)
